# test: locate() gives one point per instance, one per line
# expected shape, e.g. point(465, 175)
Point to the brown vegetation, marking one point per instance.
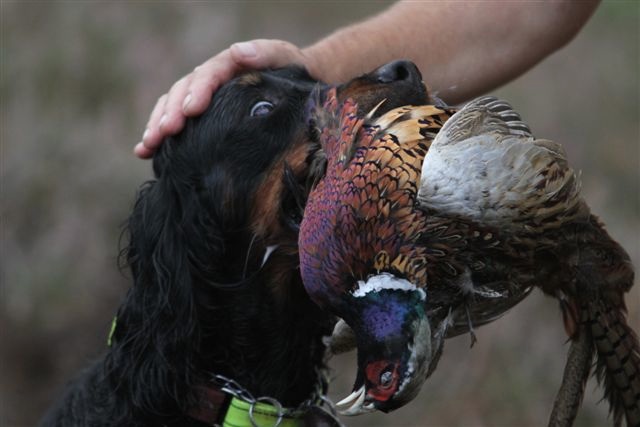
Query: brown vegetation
point(78, 80)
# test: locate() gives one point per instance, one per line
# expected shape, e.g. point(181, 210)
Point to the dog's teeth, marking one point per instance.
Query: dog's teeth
point(374, 109)
point(267, 253)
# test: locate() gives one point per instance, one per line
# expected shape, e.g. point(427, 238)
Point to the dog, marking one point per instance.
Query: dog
point(217, 310)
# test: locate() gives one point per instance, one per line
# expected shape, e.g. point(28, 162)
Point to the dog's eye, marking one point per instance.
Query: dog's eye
point(261, 108)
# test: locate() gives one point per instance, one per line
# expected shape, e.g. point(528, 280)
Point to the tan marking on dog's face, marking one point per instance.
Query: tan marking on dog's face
point(270, 193)
point(250, 79)
point(266, 222)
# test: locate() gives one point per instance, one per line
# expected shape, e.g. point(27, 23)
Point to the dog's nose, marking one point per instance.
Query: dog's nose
point(398, 71)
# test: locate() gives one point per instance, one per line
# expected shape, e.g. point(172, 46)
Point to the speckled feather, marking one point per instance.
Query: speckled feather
point(487, 166)
point(362, 217)
point(368, 191)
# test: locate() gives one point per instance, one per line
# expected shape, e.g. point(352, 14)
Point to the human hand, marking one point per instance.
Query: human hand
point(191, 95)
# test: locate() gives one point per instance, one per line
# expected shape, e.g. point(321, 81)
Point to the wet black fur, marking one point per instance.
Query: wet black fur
point(199, 304)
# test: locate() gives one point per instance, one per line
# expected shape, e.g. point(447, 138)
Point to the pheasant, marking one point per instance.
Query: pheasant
point(429, 222)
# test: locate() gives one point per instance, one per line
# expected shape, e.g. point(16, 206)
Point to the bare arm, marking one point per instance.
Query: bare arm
point(463, 49)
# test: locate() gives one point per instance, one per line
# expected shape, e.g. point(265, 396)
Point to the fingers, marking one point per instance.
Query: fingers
point(254, 54)
point(142, 152)
point(192, 94)
point(151, 137)
point(189, 96)
point(263, 53)
point(166, 117)
point(172, 118)
point(206, 79)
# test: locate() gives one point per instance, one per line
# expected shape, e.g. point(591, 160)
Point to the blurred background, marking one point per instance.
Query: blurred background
point(78, 81)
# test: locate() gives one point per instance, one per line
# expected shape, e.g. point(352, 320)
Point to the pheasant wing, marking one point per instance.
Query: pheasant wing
point(485, 165)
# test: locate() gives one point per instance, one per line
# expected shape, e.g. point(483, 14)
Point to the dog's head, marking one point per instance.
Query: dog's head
point(241, 159)
point(245, 152)
point(212, 239)
point(246, 159)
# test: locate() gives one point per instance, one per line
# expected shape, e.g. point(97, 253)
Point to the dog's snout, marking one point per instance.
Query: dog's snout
point(398, 71)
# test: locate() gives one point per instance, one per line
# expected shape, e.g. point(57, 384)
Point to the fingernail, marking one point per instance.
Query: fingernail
point(163, 119)
point(186, 102)
point(145, 135)
point(246, 48)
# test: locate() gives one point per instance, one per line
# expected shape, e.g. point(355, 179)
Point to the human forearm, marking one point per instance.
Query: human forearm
point(463, 48)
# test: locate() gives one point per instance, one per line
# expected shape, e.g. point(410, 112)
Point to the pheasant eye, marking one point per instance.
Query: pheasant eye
point(261, 108)
point(382, 378)
point(386, 378)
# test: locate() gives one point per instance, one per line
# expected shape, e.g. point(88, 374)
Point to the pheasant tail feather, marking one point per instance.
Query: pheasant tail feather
point(618, 363)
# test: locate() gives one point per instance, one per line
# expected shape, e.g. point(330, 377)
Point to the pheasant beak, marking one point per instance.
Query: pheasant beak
point(354, 404)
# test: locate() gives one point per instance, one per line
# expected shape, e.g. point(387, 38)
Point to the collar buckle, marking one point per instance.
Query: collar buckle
point(273, 402)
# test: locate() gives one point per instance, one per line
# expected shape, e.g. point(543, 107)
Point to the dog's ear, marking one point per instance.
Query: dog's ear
point(171, 241)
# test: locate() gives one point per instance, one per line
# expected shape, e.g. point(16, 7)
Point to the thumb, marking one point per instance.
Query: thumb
point(264, 53)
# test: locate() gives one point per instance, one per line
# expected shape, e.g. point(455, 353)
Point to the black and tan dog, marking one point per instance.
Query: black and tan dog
point(217, 315)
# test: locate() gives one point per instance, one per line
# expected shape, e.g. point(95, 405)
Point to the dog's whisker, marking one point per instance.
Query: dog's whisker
point(246, 260)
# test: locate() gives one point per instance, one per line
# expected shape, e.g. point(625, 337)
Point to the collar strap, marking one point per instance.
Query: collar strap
point(213, 406)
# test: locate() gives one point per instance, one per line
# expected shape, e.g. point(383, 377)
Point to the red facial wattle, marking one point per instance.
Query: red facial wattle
point(382, 391)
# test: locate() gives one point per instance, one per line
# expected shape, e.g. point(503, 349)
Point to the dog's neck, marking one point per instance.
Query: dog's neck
point(267, 335)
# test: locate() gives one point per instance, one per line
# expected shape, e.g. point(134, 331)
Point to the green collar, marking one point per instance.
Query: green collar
point(229, 405)
point(225, 403)
point(241, 413)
